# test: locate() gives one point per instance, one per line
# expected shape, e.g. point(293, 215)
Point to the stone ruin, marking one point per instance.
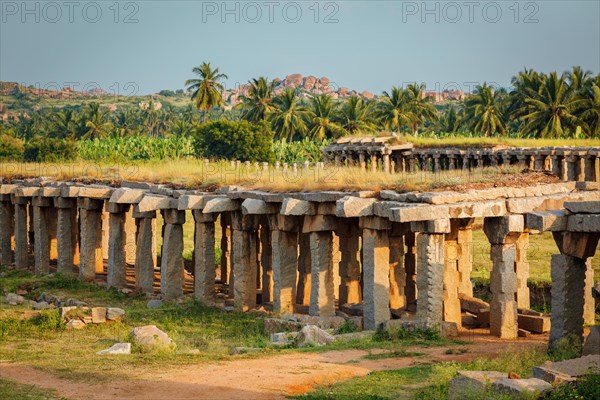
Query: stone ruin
point(390, 156)
point(315, 251)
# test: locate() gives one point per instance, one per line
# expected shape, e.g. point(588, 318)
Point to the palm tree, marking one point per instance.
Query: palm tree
point(64, 123)
point(206, 90)
point(287, 117)
point(256, 106)
point(97, 122)
point(578, 79)
point(393, 109)
point(419, 106)
point(525, 83)
point(450, 120)
point(550, 110)
point(484, 111)
point(320, 118)
point(588, 106)
point(355, 116)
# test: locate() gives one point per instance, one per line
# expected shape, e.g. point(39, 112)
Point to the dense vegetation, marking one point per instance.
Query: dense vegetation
point(539, 105)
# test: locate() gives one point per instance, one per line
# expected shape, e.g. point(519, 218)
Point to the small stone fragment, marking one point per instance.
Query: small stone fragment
point(118, 348)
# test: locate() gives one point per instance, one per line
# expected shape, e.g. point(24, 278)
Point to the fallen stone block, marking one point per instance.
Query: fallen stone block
point(115, 314)
point(118, 348)
point(75, 324)
point(274, 325)
point(566, 371)
point(13, 299)
point(312, 335)
point(351, 206)
point(41, 305)
point(592, 341)
point(472, 305)
point(472, 384)
point(521, 387)
point(483, 317)
point(65, 310)
point(98, 315)
point(534, 323)
point(523, 333)
point(291, 206)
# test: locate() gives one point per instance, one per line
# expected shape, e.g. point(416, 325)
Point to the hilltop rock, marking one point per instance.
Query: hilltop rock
point(293, 80)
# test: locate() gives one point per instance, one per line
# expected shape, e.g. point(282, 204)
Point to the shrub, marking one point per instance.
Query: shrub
point(235, 141)
point(50, 149)
point(565, 348)
point(11, 148)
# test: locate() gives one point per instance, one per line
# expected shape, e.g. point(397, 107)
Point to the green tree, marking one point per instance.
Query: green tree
point(393, 109)
point(64, 123)
point(288, 117)
point(320, 118)
point(355, 116)
point(588, 105)
point(257, 105)
point(419, 106)
point(98, 123)
point(206, 89)
point(450, 120)
point(483, 111)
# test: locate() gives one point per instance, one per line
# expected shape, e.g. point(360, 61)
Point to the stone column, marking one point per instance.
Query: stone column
point(361, 161)
point(90, 228)
point(67, 234)
point(21, 232)
point(304, 273)
point(397, 271)
point(284, 245)
point(171, 264)
point(336, 259)
point(105, 234)
point(589, 304)
point(376, 269)
point(145, 258)
point(7, 222)
point(386, 163)
point(266, 256)
point(225, 247)
point(410, 268)
point(349, 291)
point(116, 245)
point(130, 237)
point(451, 302)
point(42, 234)
point(430, 266)
point(581, 167)
point(503, 233)
point(244, 237)
point(373, 162)
point(52, 230)
point(597, 169)
point(522, 271)
point(204, 257)
point(321, 227)
point(465, 258)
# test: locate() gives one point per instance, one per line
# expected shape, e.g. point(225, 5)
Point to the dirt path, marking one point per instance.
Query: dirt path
point(271, 377)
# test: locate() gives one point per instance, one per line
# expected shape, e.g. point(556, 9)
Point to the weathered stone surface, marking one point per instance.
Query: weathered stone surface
point(322, 290)
point(274, 325)
point(431, 226)
point(497, 229)
point(534, 323)
point(284, 247)
point(583, 207)
point(171, 267)
point(117, 348)
point(151, 339)
point(220, 204)
point(204, 262)
point(544, 203)
point(420, 212)
point(320, 223)
point(7, 221)
point(154, 304)
point(13, 299)
point(98, 315)
point(521, 387)
point(75, 324)
point(430, 264)
point(90, 227)
point(67, 232)
point(471, 384)
point(115, 314)
point(127, 196)
point(41, 240)
point(350, 206)
point(472, 304)
point(145, 258)
point(543, 221)
point(592, 341)
point(244, 255)
point(291, 206)
point(566, 371)
point(21, 236)
point(116, 251)
point(312, 335)
point(583, 223)
point(194, 201)
point(153, 203)
point(255, 206)
point(95, 192)
point(503, 285)
point(376, 286)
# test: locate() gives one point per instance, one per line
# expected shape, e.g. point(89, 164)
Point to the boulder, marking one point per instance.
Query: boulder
point(115, 314)
point(567, 370)
point(472, 384)
point(283, 338)
point(41, 305)
point(14, 299)
point(592, 341)
point(151, 339)
point(520, 388)
point(118, 348)
point(154, 304)
point(312, 335)
point(333, 322)
point(98, 315)
point(75, 324)
point(274, 325)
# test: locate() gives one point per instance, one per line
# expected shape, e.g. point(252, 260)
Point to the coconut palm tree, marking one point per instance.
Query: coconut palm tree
point(588, 107)
point(393, 109)
point(525, 83)
point(450, 121)
point(550, 111)
point(287, 116)
point(578, 79)
point(419, 106)
point(63, 123)
point(97, 122)
point(484, 112)
point(206, 90)
point(320, 118)
point(355, 116)
point(257, 105)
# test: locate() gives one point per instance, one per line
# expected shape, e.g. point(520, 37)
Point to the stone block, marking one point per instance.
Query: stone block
point(472, 384)
point(95, 192)
point(115, 314)
point(554, 220)
point(119, 348)
point(592, 341)
point(534, 323)
point(153, 203)
point(497, 229)
point(583, 223)
point(472, 304)
point(583, 207)
point(350, 206)
point(521, 387)
point(319, 223)
point(255, 206)
point(431, 226)
point(220, 204)
point(375, 223)
point(98, 315)
point(127, 196)
point(567, 370)
point(291, 206)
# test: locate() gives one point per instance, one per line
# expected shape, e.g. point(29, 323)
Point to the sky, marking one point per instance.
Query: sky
point(142, 47)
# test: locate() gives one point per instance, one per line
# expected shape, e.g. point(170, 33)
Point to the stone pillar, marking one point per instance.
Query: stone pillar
point(362, 162)
point(204, 257)
point(410, 268)
point(451, 302)
point(244, 237)
point(589, 304)
point(105, 234)
point(522, 271)
point(116, 244)
point(304, 272)
point(373, 162)
point(503, 233)
point(397, 271)
point(430, 266)
point(225, 246)
point(284, 245)
point(266, 256)
point(130, 237)
point(568, 281)
point(7, 222)
point(597, 169)
point(581, 168)
point(67, 235)
point(376, 267)
point(349, 291)
point(171, 264)
point(42, 235)
point(90, 228)
point(336, 259)
point(386, 163)
point(465, 259)
point(322, 296)
point(52, 230)
point(21, 232)
point(145, 257)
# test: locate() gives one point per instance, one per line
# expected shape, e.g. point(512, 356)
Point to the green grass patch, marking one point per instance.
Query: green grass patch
point(14, 390)
point(392, 354)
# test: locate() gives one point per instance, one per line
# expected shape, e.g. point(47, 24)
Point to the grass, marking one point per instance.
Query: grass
point(392, 354)
point(14, 390)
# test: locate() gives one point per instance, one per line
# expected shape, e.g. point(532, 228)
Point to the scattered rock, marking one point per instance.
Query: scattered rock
point(274, 325)
point(14, 299)
point(87, 319)
point(472, 384)
point(472, 304)
point(348, 337)
point(115, 314)
point(352, 309)
point(41, 305)
point(65, 310)
point(80, 304)
point(154, 304)
point(523, 333)
point(75, 324)
point(126, 291)
point(149, 338)
point(566, 371)
point(521, 387)
point(22, 292)
point(513, 375)
point(243, 350)
point(119, 348)
point(283, 338)
point(592, 341)
point(449, 329)
point(312, 335)
point(98, 315)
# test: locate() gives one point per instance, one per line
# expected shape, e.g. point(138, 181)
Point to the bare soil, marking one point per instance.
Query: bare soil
point(269, 377)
